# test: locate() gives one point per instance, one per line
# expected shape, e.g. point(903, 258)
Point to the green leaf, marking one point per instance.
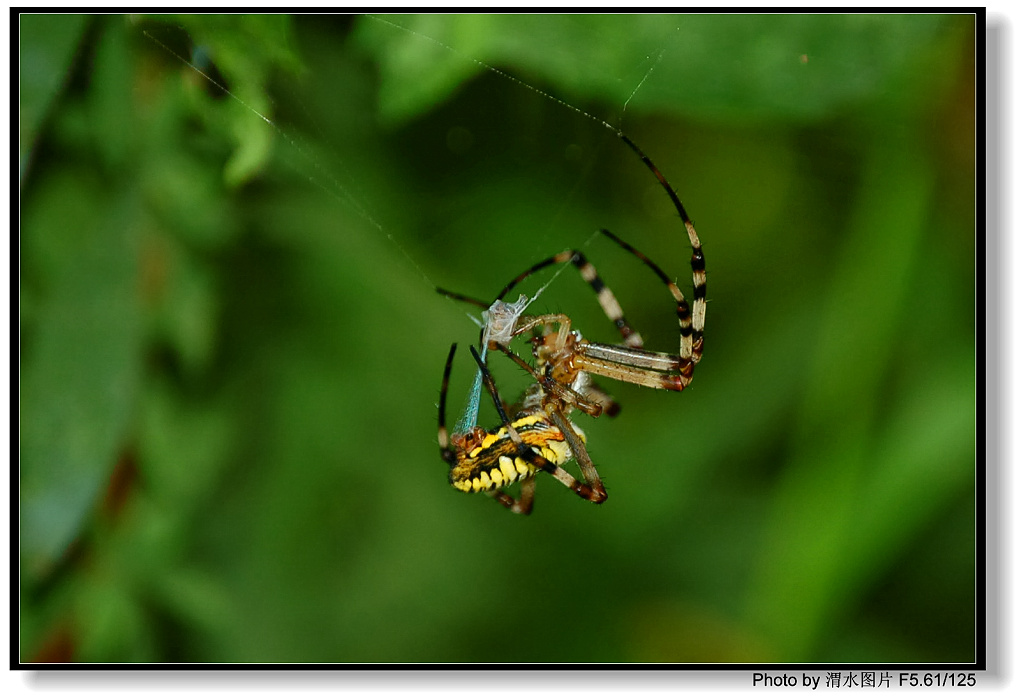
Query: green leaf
point(81, 366)
point(713, 66)
point(247, 50)
point(417, 71)
point(47, 43)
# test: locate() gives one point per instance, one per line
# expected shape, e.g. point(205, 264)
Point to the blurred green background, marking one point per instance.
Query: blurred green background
point(231, 349)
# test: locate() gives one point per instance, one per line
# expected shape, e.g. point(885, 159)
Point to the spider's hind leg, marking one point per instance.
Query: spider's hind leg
point(593, 393)
point(522, 505)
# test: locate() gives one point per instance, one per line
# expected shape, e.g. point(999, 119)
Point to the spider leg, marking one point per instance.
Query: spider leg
point(599, 495)
point(462, 298)
point(443, 441)
point(700, 281)
point(686, 324)
point(611, 306)
point(591, 392)
point(640, 367)
point(524, 504)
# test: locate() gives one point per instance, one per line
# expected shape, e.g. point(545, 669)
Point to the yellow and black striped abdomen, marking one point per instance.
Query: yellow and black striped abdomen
point(494, 463)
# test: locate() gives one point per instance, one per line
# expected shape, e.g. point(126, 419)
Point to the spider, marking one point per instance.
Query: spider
point(563, 364)
point(536, 440)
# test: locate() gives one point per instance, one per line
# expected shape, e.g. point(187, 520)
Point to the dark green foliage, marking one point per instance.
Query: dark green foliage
point(231, 347)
